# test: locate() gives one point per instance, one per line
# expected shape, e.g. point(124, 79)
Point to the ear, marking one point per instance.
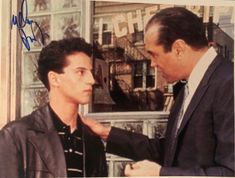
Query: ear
point(179, 47)
point(53, 79)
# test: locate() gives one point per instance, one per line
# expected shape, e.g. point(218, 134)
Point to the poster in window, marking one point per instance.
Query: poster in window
point(36, 6)
point(101, 89)
point(67, 25)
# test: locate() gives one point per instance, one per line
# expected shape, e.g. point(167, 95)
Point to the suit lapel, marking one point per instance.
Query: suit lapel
point(198, 95)
point(46, 141)
point(192, 106)
point(172, 143)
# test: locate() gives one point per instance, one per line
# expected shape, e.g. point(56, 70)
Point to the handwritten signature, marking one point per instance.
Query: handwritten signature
point(21, 21)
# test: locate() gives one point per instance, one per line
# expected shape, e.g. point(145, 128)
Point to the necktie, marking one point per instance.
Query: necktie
point(179, 118)
point(181, 112)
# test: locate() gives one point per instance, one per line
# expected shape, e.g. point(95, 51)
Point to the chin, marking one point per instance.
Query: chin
point(171, 80)
point(85, 101)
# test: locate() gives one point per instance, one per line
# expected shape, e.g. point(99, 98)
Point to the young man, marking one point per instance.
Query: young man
point(200, 132)
point(52, 141)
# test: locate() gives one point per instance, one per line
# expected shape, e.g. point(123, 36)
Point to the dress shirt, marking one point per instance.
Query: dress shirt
point(197, 74)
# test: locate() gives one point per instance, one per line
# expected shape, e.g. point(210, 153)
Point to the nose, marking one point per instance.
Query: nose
point(153, 63)
point(90, 78)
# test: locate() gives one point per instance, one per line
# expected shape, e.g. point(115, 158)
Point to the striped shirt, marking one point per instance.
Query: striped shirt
point(72, 144)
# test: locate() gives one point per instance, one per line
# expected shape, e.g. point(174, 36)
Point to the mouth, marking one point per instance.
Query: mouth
point(88, 90)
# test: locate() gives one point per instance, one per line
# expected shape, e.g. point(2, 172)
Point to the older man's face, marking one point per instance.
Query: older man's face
point(166, 62)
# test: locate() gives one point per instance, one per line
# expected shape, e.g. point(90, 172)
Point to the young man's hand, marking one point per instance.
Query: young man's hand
point(97, 128)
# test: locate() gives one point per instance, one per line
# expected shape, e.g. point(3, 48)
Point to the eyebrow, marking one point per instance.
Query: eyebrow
point(83, 68)
point(149, 52)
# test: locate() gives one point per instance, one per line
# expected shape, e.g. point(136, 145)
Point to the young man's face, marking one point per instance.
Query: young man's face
point(76, 81)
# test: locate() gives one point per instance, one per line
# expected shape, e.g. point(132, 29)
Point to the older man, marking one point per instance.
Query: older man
point(200, 132)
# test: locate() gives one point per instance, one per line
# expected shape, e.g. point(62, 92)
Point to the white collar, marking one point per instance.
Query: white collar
point(200, 69)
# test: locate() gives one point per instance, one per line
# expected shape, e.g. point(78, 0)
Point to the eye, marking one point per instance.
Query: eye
point(80, 72)
point(153, 54)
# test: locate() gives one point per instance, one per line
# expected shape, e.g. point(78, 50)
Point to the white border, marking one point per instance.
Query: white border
point(179, 2)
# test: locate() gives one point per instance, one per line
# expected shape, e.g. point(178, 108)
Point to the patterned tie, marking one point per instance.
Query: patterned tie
point(181, 112)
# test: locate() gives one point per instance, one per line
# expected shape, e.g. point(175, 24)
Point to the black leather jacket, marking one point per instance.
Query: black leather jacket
point(31, 148)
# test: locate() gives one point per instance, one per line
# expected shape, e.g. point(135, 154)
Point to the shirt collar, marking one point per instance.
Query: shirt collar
point(60, 126)
point(200, 69)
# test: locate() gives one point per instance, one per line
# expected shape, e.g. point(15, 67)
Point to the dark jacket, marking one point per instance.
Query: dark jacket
point(204, 145)
point(30, 148)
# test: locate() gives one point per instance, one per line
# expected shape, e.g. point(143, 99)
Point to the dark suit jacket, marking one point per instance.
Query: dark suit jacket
point(30, 148)
point(205, 141)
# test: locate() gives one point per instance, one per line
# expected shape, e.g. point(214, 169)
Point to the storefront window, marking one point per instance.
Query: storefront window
point(130, 81)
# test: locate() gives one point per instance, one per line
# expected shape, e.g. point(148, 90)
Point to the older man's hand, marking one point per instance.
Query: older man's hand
point(96, 127)
point(143, 168)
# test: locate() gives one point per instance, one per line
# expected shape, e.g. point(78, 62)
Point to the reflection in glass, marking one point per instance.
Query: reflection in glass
point(38, 5)
point(67, 4)
point(33, 99)
point(30, 75)
point(132, 81)
point(134, 126)
point(157, 129)
point(40, 31)
point(67, 25)
point(119, 168)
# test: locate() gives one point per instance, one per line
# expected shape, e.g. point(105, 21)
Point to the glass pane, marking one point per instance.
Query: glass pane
point(155, 100)
point(107, 38)
point(39, 6)
point(95, 37)
point(150, 70)
point(66, 4)
point(67, 26)
point(102, 96)
point(119, 167)
point(104, 27)
point(40, 31)
point(118, 36)
point(133, 126)
point(138, 81)
point(120, 68)
point(30, 76)
point(138, 36)
point(138, 68)
point(150, 81)
point(157, 128)
point(124, 82)
point(33, 99)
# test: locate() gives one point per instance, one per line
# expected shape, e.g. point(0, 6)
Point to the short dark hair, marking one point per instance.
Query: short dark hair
point(179, 23)
point(52, 57)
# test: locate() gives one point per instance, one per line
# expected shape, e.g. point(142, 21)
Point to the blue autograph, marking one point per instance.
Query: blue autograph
point(21, 21)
